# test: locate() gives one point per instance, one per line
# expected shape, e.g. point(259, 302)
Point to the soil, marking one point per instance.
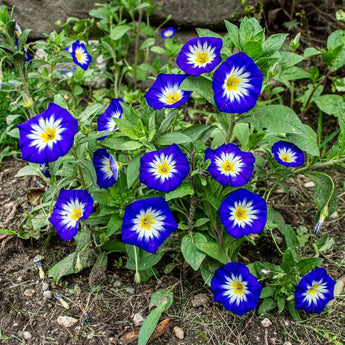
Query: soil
point(27, 316)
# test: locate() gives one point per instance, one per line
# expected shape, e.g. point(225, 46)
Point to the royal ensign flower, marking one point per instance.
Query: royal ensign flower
point(68, 73)
point(243, 213)
point(314, 291)
point(236, 288)
point(47, 136)
point(164, 170)
point(168, 32)
point(165, 92)
point(44, 168)
point(71, 207)
point(230, 165)
point(80, 55)
point(200, 55)
point(107, 121)
point(106, 168)
point(237, 84)
point(147, 223)
point(287, 154)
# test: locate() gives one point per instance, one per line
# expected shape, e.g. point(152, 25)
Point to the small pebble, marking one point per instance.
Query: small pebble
point(29, 292)
point(66, 321)
point(130, 290)
point(27, 335)
point(45, 286)
point(138, 319)
point(309, 184)
point(266, 322)
point(38, 258)
point(179, 333)
point(19, 279)
point(118, 284)
point(286, 323)
point(48, 294)
point(200, 300)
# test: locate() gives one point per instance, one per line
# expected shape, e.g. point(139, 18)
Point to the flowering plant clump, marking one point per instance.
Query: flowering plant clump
point(138, 175)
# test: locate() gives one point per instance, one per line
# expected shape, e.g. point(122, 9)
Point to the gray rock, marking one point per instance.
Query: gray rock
point(45, 286)
point(41, 15)
point(138, 319)
point(27, 335)
point(47, 294)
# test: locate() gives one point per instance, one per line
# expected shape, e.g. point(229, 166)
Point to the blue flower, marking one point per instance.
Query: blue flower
point(80, 55)
point(166, 93)
point(230, 166)
point(106, 168)
point(236, 288)
point(237, 84)
point(200, 55)
point(168, 32)
point(107, 121)
point(68, 73)
point(164, 170)
point(314, 291)
point(44, 167)
point(147, 223)
point(287, 154)
point(27, 55)
point(47, 136)
point(71, 206)
point(243, 213)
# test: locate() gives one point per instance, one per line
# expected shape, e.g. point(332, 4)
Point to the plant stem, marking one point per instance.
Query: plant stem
point(25, 85)
point(313, 91)
point(275, 242)
point(137, 48)
point(80, 170)
point(230, 128)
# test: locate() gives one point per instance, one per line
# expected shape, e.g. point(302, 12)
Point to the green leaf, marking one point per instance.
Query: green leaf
point(252, 49)
point(14, 133)
point(306, 141)
point(241, 132)
point(184, 189)
point(233, 33)
point(173, 138)
point(133, 170)
point(290, 236)
point(199, 132)
point(11, 118)
point(273, 43)
point(281, 300)
point(114, 225)
point(160, 296)
point(288, 261)
point(8, 232)
point(89, 113)
point(145, 259)
point(158, 50)
point(28, 170)
point(309, 52)
point(201, 85)
point(147, 43)
point(275, 118)
point(208, 268)
point(150, 324)
point(324, 243)
point(119, 31)
point(259, 266)
point(289, 59)
point(114, 247)
point(207, 33)
point(267, 305)
point(330, 104)
point(293, 311)
point(130, 145)
point(68, 265)
point(190, 251)
point(267, 291)
point(307, 264)
point(214, 250)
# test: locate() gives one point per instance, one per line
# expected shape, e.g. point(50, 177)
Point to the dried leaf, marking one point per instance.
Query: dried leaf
point(161, 328)
point(129, 338)
point(35, 195)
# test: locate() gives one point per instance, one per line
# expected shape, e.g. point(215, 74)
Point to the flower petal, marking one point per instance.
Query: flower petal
point(237, 84)
point(47, 136)
point(147, 223)
point(106, 168)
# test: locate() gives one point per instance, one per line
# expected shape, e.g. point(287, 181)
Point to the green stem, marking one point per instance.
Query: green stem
point(80, 170)
point(137, 48)
point(25, 85)
point(230, 128)
point(275, 242)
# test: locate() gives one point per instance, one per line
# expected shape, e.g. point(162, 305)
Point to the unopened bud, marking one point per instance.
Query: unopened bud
point(28, 102)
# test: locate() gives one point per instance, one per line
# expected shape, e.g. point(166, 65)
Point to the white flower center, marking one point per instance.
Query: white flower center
point(171, 94)
point(72, 212)
point(236, 84)
point(229, 164)
point(315, 291)
point(46, 133)
point(287, 155)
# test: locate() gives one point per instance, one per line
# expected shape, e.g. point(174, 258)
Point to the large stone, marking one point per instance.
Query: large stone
point(41, 15)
